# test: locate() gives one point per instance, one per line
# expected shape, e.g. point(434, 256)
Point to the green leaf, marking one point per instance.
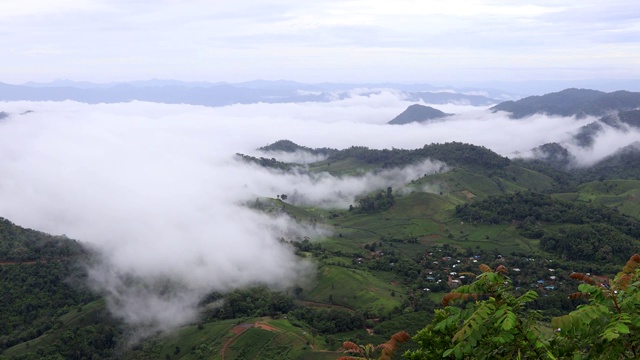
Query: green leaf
point(610, 334)
point(458, 352)
point(509, 321)
point(622, 328)
point(527, 297)
point(447, 353)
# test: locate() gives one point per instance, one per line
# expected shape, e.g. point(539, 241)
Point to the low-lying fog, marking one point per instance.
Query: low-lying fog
point(157, 191)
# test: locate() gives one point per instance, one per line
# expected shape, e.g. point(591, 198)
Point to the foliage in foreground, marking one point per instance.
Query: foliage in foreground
point(609, 325)
point(382, 351)
point(492, 323)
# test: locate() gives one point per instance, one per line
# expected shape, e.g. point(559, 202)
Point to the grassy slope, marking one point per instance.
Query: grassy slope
point(348, 166)
point(621, 194)
point(354, 289)
point(192, 341)
point(424, 211)
point(281, 341)
point(427, 216)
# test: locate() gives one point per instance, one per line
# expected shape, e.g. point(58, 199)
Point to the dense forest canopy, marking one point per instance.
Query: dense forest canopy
point(453, 153)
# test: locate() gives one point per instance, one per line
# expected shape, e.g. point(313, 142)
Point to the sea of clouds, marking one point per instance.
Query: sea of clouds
point(156, 189)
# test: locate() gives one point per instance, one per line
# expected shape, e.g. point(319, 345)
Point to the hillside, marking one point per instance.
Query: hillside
point(41, 278)
point(631, 117)
point(390, 258)
point(359, 158)
point(623, 164)
point(554, 154)
point(556, 161)
point(617, 120)
point(417, 113)
point(571, 102)
point(289, 146)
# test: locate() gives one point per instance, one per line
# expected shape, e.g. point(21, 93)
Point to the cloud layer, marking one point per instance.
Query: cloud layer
point(315, 41)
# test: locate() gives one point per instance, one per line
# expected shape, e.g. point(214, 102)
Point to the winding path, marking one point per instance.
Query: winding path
point(237, 330)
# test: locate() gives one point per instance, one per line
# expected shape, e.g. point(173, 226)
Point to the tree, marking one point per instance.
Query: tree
point(609, 325)
point(491, 323)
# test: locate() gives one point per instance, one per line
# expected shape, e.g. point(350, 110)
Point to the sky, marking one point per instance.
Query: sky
point(363, 41)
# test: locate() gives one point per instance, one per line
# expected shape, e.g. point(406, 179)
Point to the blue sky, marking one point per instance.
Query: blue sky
point(314, 41)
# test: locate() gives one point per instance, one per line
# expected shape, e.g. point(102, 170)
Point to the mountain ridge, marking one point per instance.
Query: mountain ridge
point(571, 102)
point(223, 93)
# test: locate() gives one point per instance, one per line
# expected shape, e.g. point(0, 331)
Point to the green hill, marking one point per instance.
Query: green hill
point(378, 272)
point(623, 164)
point(453, 154)
point(418, 113)
point(290, 147)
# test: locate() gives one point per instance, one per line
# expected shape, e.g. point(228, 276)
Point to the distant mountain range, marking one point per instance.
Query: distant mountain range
point(572, 102)
point(221, 94)
point(617, 110)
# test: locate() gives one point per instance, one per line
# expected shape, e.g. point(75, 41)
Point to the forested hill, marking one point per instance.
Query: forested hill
point(418, 113)
point(18, 244)
point(587, 134)
point(453, 154)
point(289, 146)
point(629, 118)
point(41, 279)
point(589, 232)
point(623, 164)
point(571, 102)
point(552, 160)
point(556, 161)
